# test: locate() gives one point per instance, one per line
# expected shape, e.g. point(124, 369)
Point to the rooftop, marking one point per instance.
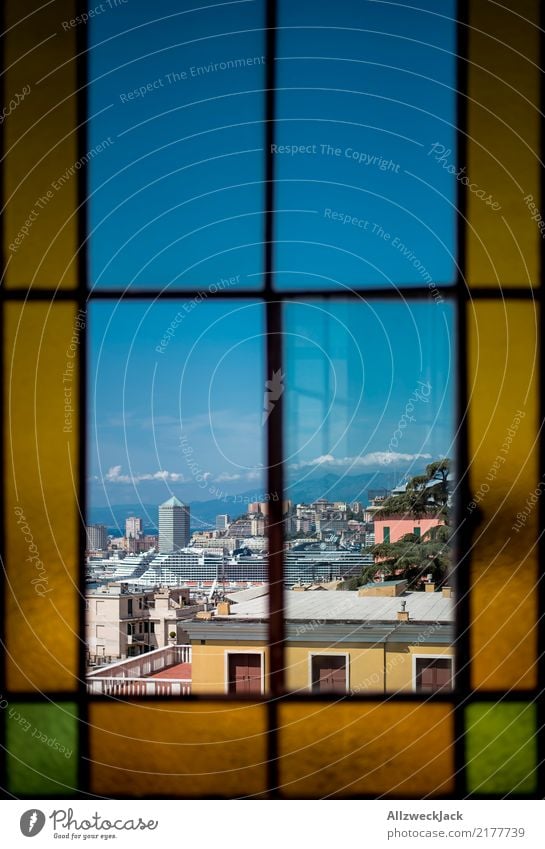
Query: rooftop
point(248, 594)
point(348, 607)
point(172, 502)
point(384, 583)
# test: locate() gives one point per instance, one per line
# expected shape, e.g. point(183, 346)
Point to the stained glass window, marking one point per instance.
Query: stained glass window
point(120, 182)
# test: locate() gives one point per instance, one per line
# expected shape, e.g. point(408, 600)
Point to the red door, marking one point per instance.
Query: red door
point(434, 674)
point(328, 674)
point(245, 673)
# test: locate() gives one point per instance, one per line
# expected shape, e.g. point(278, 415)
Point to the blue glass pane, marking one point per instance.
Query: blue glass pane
point(369, 395)
point(169, 413)
point(176, 112)
point(365, 144)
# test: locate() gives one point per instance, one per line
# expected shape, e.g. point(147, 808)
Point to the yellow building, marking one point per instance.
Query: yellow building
point(336, 642)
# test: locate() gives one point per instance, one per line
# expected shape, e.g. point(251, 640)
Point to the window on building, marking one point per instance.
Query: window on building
point(433, 674)
point(416, 531)
point(329, 673)
point(245, 674)
point(129, 606)
point(386, 534)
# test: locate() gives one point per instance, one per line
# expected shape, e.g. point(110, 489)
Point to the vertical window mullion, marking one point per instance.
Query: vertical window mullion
point(275, 476)
point(463, 535)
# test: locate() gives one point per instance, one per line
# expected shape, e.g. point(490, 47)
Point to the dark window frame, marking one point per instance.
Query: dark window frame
point(273, 302)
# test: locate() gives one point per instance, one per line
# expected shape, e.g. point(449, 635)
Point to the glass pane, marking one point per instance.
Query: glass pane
point(365, 144)
point(501, 748)
point(41, 400)
point(503, 435)
point(345, 750)
point(177, 479)
point(201, 750)
point(42, 744)
point(177, 107)
point(504, 237)
point(369, 427)
point(40, 148)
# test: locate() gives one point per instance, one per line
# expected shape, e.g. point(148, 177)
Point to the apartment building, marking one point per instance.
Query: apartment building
point(392, 528)
point(336, 642)
point(123, 622)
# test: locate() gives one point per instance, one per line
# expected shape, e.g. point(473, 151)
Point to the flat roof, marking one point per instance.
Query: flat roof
point(247, 594)
point(384, 583)
point(348, 606)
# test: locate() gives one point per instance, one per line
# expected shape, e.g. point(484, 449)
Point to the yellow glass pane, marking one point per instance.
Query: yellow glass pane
point(503, 417)
point(350, 749)
point(40, 396)
point(198, 750)
point(503, 143)
point(41, 154)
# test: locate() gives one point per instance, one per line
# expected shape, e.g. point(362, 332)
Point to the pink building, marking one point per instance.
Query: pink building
point(393, 528)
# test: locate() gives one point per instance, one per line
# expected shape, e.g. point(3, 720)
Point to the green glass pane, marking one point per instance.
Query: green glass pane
point(42, 749)
point(501, 748)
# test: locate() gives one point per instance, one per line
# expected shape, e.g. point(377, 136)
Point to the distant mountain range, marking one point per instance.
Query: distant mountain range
point(203, 513)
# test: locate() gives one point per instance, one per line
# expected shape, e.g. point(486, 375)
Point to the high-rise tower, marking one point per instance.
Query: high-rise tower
point(173, 525)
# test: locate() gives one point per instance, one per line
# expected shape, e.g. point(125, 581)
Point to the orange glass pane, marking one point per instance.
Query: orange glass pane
point(352, 749)
point(41, 155)
point(206, 749)
point(41, 478)
point(503, 418)
point(503, 143)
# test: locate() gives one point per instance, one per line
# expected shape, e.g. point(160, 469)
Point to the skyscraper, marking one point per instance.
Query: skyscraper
point(173, 525)
point(97, 538)
point(133, 527)
point(222, 522)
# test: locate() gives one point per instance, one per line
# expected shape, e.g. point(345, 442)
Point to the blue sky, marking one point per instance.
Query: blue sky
point(365, 90)
point(177, 394)
point(178, 198)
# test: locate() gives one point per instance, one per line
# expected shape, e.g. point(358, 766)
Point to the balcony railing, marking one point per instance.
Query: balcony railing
point(143, 666)
point(102, 686)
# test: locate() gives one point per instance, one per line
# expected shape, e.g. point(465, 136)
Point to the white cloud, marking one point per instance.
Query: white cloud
point(224, 477)
point(375, 458)
point(113, 475)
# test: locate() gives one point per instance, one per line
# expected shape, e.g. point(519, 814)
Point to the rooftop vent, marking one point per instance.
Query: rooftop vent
point(403, 613)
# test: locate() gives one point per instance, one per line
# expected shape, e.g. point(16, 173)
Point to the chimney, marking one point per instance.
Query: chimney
point(446, 592)
point(403, 614)
point(223, 609)
point(430, 588)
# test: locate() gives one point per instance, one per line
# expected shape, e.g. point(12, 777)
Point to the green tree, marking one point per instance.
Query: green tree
point(413, 558)
point(424, 495)
point(367, 574)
